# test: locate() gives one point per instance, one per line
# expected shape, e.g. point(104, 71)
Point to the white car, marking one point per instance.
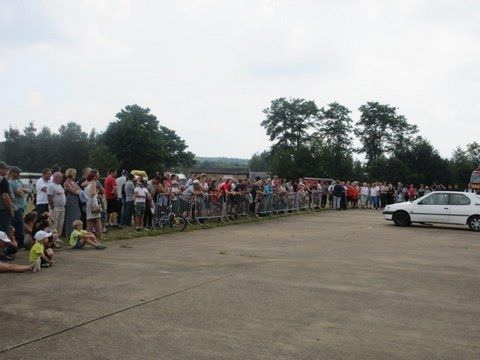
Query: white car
point(443, 207)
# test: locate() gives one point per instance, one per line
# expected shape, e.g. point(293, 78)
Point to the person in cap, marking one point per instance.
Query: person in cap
point(20, 192)
point(9, 247)
point(39, 256)
point(7, 208)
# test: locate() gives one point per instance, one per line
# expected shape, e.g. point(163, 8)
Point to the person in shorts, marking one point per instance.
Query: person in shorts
point(80, 237)
point(111, 195)
point(141, 195)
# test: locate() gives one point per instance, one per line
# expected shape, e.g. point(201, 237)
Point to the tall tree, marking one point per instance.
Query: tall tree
point(473, 152)
point(424, 162)
point(334, 128)
point(381, 130)
point(73, 146)
point(139, 142)
point(289, 122)
point(102, 159)
point(260, 161)
point(389, 169)
point(174, 156)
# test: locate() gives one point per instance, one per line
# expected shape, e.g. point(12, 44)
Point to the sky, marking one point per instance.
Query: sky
point(208, 68)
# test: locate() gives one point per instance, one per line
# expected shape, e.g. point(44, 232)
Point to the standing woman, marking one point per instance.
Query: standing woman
point(72, 206)
point(93, 205)
point(141, 196)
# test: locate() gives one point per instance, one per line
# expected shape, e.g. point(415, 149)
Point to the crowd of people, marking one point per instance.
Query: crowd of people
point(74, 211)
point(377, 195)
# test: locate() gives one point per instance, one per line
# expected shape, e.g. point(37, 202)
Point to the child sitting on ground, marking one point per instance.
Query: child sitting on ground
point(79, 237)
point(40, 256)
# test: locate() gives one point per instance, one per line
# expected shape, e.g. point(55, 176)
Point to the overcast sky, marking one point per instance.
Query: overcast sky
point(207, 68)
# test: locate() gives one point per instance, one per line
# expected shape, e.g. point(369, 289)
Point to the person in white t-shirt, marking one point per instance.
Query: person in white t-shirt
point(56, 199)
point(120, 181)
point(364, 194)
point(141, 196)
point(41, 187)
point(374, 193)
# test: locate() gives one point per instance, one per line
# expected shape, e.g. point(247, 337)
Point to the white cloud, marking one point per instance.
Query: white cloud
point(208, 68)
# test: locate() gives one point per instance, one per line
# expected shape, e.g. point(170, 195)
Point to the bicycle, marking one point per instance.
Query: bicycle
point(168, 218)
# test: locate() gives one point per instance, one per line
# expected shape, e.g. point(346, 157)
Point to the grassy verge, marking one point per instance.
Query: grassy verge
point(131, 233)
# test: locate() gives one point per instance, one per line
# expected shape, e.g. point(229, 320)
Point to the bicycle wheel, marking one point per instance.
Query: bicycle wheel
point(157, 223)
point(178, 223)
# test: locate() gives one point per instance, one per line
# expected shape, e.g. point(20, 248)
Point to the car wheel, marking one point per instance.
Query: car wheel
point(401, 218)
point(474, 223)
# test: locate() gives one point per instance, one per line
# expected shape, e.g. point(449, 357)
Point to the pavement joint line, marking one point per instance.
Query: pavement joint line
point(104, 316)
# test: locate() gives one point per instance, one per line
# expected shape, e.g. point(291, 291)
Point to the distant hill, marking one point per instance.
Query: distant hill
point(220, 162)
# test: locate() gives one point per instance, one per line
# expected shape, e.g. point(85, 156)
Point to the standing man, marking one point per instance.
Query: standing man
point(7, 210)
point(56, 199)
point(120, 182)
point(111, 196)
point(20, 193)
point(337, 192)
point(42, 186)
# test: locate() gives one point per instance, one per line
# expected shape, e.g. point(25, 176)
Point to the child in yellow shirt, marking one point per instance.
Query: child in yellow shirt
point(80, 237)
point(39, 256)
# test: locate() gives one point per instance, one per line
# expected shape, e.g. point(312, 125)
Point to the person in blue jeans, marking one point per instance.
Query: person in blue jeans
point(268, 193)
point(20, 193)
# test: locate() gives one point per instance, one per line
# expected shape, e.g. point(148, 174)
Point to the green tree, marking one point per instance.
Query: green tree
point(139, 142)
point(102, 159)
point(424, 162)
point(386, 169)
point(292, 165)
point(381, 130)
point(462, 163)
point(334, 129)
point(73, 146)
point(260, 161)
point(473, 152)
point(289, 122)
point(174, 156)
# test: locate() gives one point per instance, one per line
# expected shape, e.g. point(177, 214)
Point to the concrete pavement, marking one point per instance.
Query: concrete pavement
point(317, 286)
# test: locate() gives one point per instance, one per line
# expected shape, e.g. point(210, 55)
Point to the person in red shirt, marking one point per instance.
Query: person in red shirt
point(225, 187)
point(111, 197)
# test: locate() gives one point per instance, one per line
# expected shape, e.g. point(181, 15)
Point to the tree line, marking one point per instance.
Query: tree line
point(318, 142)
point(134, 140)
point(307, 141)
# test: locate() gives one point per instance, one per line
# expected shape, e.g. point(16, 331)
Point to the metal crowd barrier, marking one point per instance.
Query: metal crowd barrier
point(233, 205)
point(208, 206)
